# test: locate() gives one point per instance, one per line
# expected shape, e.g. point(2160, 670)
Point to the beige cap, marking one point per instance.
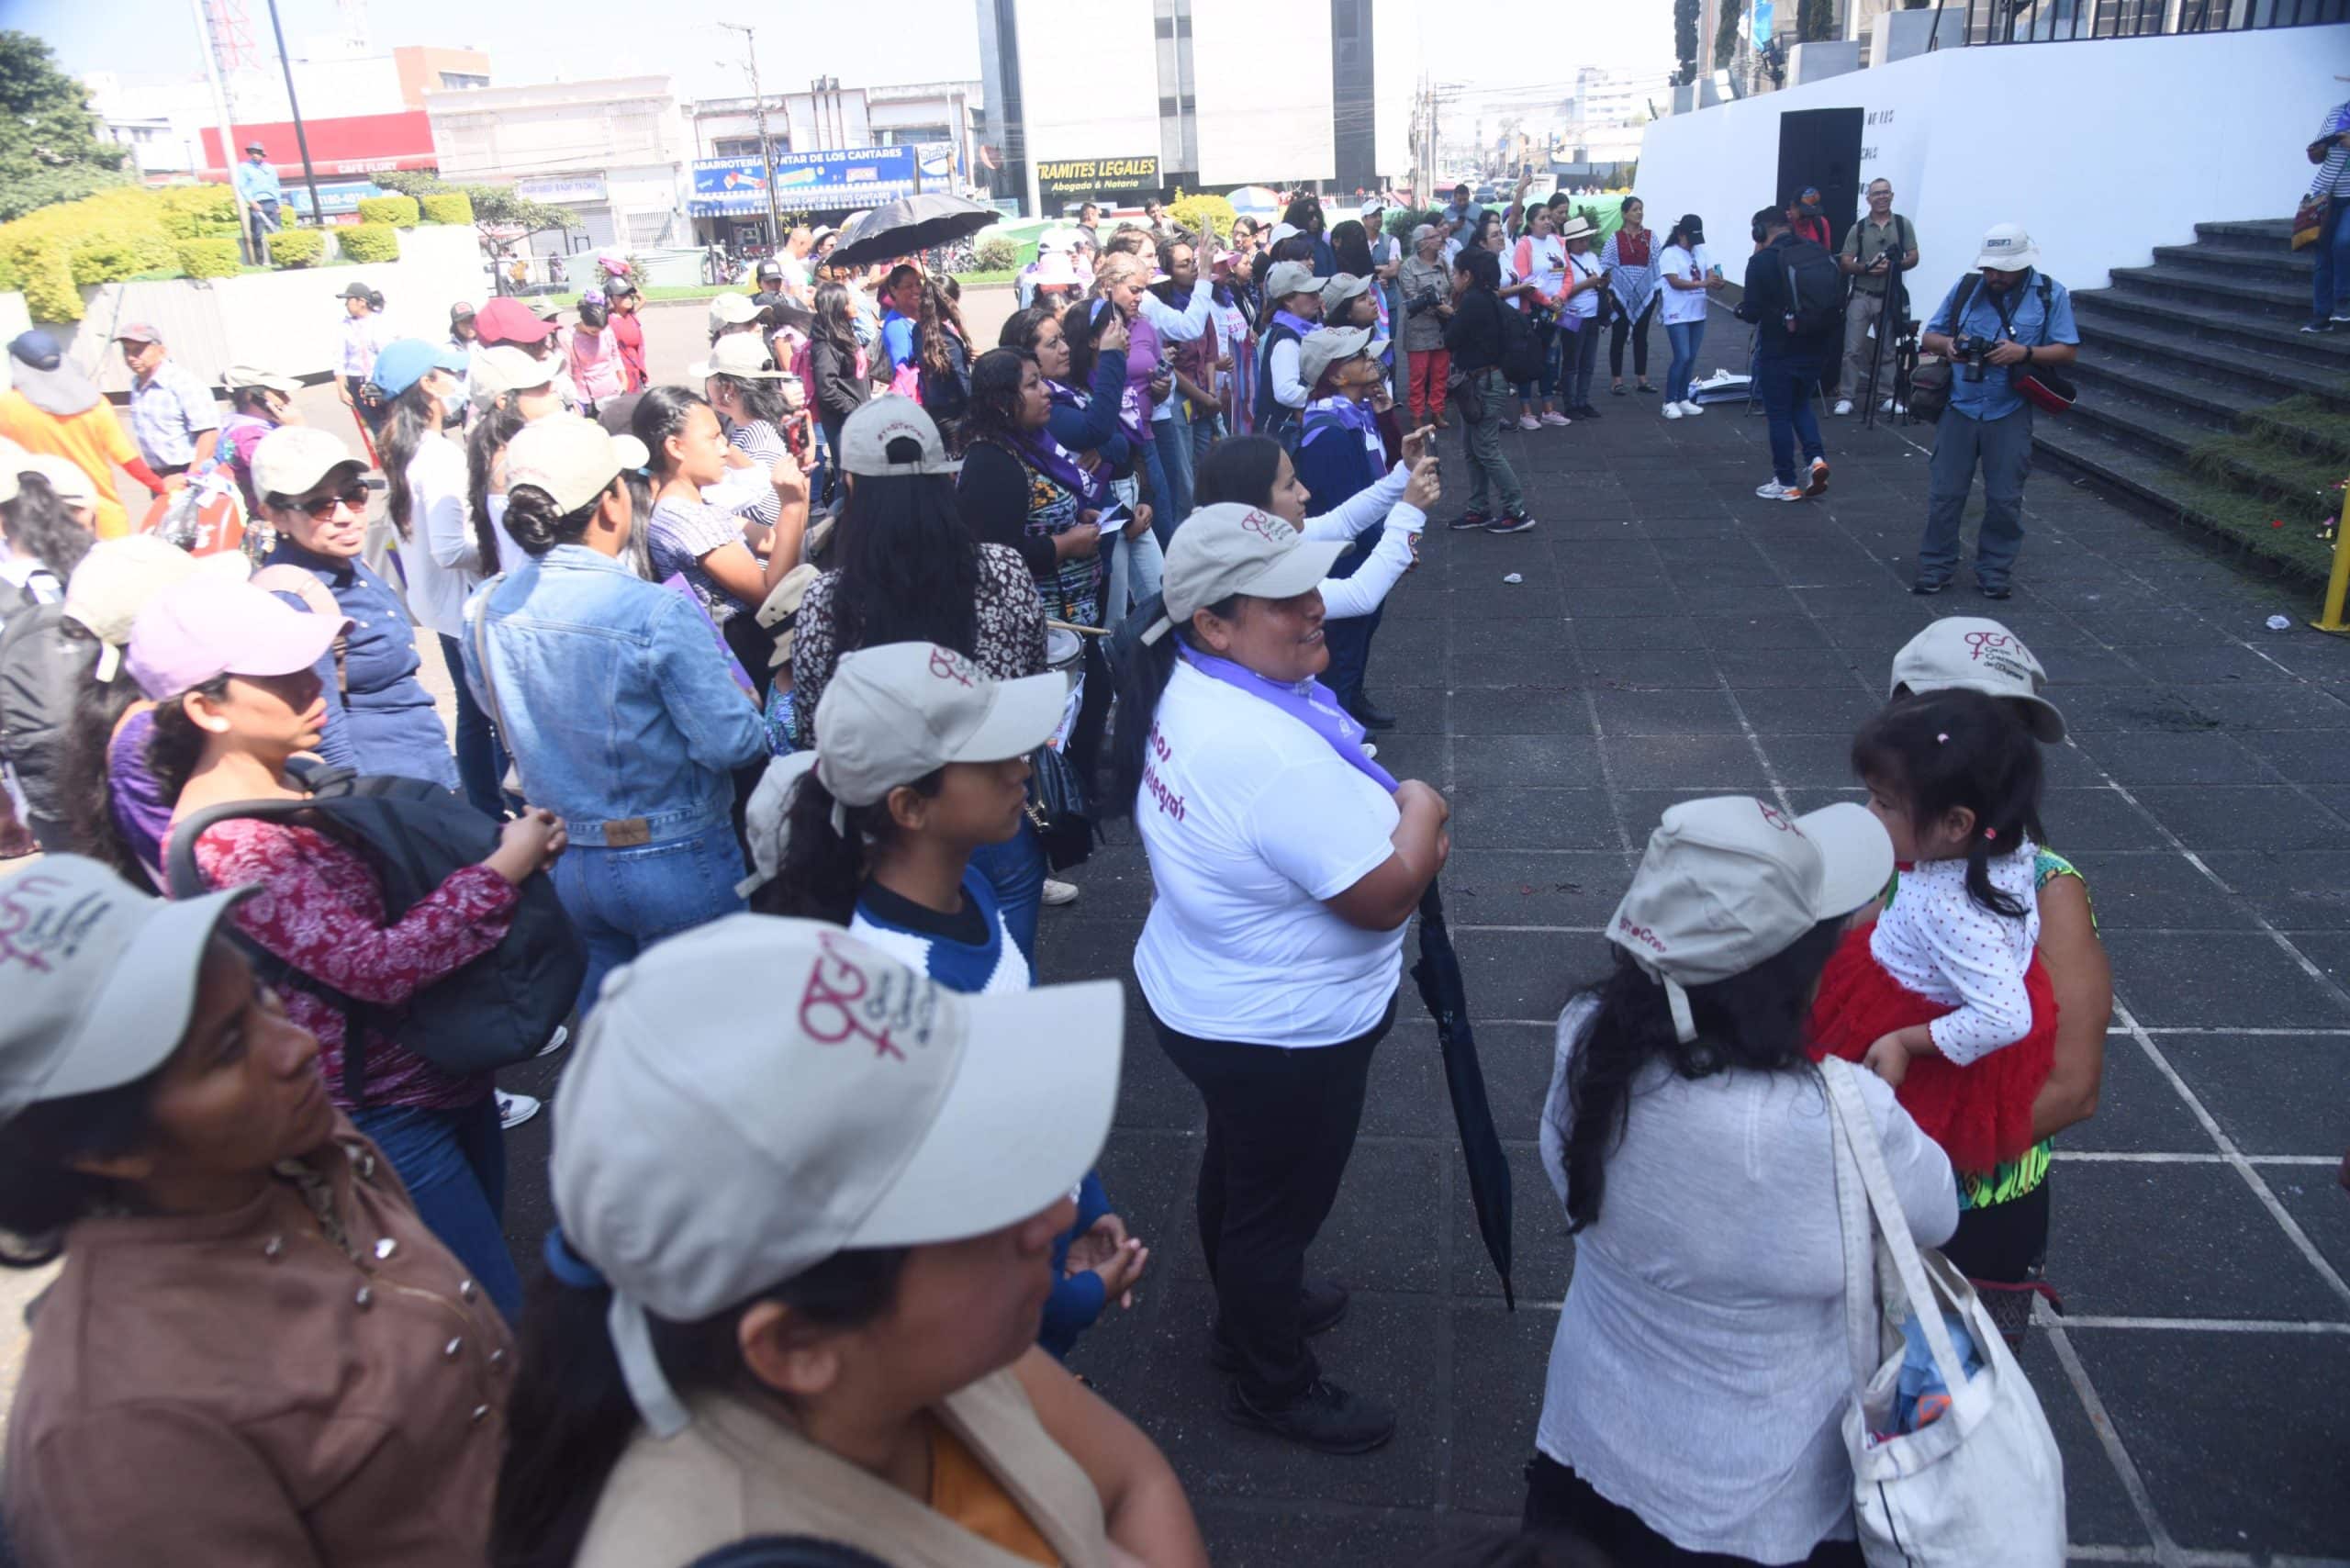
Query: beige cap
point(715, 1139)
point(1290, 277)
point(871, 427)
point(100, 979)
point(117, 578)
point(241, 375)
point(1579, 227)
point(732, 309)
point(293, 459)
point(2007, 248)
point(1730, 881)
point(1228, 548)
point(893, 713)
point(737, 354)
point(1971, 654)
point(65, 477)
point(506, 368)
point(781, 608)
point(572, 459)
point(1326, 346)
point(1339, 290)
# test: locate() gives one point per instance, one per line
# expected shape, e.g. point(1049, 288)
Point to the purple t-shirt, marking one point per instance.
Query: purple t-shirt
point(141, 814)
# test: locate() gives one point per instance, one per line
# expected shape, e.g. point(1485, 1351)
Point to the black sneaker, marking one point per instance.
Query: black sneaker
point(1924, 585)
point(1997, 588)
point(1468, 521)
point(1321, 1306)
point(1517, 524)
point(1370, 715)
point(1324, 1418)
point(1584, 412)
point(2319, 327)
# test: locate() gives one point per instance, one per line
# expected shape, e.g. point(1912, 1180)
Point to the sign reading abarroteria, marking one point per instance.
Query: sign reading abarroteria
point(1066, 177)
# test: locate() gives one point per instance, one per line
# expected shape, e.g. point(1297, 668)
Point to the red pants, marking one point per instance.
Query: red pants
point(1981, 1114)
point(1425, 390)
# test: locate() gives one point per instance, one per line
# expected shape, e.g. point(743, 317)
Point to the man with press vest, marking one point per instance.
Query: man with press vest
point(1795, 297)
point(1997, 324)
point(1878, 250)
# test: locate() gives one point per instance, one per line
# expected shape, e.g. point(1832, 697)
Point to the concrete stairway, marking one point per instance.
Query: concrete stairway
point(2199, 344)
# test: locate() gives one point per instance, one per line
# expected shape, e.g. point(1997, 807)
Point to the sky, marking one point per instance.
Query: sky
point(929, 41)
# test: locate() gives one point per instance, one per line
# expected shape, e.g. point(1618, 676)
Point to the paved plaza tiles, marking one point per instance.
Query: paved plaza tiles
point(1673, 637)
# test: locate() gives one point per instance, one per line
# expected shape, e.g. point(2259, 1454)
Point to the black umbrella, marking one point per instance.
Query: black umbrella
point(911, 224)
point(1438, 974)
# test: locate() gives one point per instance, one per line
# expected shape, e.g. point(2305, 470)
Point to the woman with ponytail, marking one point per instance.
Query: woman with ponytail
point(620, 710)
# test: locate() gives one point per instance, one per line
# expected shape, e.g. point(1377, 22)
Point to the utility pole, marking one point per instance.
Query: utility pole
point(248, 227)
point(301, 141)
point(759, 110)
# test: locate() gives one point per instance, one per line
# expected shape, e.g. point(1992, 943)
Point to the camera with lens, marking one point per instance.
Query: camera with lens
point(1972, 351)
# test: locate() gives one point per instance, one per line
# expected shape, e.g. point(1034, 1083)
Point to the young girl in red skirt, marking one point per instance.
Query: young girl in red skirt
point(1942, 996)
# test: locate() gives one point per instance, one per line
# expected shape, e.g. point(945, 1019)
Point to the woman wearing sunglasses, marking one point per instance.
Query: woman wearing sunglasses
point(379, 717)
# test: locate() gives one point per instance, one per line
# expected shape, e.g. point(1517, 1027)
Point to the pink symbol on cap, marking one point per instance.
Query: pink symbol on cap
point(947, 666)
point(1641, 933)
point(1982, 641)
point(828, 1014)
point(19, 920)
point(1261, 525)
point(1777, 818)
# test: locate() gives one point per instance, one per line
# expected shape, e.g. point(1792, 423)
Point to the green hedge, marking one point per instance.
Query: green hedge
point(116, 234)
point(198, 212)
point(450, 206)
point(45, 273)
point(209, 258)
point(395, 211)
point(297, 248)
point(1198, 212)
point(369, 242)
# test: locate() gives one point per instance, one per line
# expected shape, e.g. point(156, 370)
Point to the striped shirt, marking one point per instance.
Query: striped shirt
point(760, 442)
point(168, 412)
point(2333, 174)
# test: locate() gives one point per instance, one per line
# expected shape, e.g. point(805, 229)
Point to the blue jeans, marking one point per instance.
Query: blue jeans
point(623, 901)
point(2002, 449)
point(454, 1163)
point(1687, 338)
point(2331, 282)
point(1548, 334)
point(1786, 382)
point(1172, 437)
point(1015, 873)
point(481, 761)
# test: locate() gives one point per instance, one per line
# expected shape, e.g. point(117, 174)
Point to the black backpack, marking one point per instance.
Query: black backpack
point(1521, 348)
point(1815, 290)
point(44, 663)
point(496, 1011)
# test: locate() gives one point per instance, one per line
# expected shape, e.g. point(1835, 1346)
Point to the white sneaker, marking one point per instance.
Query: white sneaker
point(557, 1041)
point(1693, 407)
point(1843, 404)
point(1774, 491)
point(1529, 423)
point(1672, 410)
point(513, 1110)
point(1058, 892)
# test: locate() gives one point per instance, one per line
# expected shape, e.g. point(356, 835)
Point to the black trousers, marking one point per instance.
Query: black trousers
point(1280, 1128)
point(1561, 1503)
point(1620, 325)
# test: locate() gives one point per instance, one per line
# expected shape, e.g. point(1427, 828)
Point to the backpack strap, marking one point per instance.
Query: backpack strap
point(318, 599)
point(184, 879)
point(1967, 286)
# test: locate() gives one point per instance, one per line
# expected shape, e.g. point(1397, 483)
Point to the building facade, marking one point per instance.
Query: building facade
point(835, 149)
point(1310, 92)
point(613, 151)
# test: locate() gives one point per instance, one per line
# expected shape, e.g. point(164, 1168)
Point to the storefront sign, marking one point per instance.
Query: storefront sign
point(562, 190)
point(1076, 177)
point(937, 161)
point(346, 144)
point(866, 176)
point(338, 197)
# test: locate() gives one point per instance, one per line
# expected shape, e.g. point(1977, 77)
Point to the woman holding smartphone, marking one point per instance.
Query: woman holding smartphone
point(1687, 272)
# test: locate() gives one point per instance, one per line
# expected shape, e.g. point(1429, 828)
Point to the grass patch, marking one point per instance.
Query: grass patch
point(2252, 524)
point(980, 280)
point(2269, 484)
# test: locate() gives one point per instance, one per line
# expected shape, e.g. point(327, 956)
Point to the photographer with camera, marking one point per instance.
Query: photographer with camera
point(1796, 300)
point(1878, 248)
point(1995, 327)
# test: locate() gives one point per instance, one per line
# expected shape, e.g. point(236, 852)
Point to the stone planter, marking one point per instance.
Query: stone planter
point(1818, 60)
point(1899, 35)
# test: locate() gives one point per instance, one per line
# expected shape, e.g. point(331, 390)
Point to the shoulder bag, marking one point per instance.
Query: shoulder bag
point(1984, 1483)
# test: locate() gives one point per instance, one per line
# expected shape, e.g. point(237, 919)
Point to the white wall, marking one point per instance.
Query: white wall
point(1264, 92)
point(1089, 82)
point(2102, 149)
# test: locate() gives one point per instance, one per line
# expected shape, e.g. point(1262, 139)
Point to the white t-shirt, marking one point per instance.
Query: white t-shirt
point(1546, 267)
point(1250, 821)
point(1682, 304)
point(440, 556)
point(1586, 300)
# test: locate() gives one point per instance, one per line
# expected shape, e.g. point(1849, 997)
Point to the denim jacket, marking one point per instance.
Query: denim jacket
point(618, 706)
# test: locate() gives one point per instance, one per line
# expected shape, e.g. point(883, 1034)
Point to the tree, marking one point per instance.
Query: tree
point(1685, 40)
point(1815, 21)
point(49, 150)
point(501, 215)
point(1726, 28)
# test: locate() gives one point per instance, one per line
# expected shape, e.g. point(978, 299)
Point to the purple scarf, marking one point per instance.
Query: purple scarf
point(1041, 451)
point(1348, 412)
point(1298, 324)
point(1310, 702)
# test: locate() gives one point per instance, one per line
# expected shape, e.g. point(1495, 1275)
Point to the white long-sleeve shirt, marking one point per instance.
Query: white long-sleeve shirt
point(440, 557)
point(1352, 518)
point(1280, 367)
point(1179, 327)
point(1939, 943)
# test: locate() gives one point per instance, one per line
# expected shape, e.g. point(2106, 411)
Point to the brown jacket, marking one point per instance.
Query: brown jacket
point(238, 1389)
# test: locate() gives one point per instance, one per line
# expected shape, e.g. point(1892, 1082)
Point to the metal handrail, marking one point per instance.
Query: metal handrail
point(1990, 22)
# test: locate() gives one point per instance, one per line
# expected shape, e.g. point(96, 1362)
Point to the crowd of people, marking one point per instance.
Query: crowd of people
point(786, 696)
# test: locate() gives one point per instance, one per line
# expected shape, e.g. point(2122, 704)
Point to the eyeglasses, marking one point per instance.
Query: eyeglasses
point(320, 508)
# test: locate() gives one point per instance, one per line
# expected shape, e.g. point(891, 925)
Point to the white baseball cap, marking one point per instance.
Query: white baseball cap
point(292, 459)
point(1971, 654)
point(2007, 247)
point(572, 459)
point(1373, 205)
point(779, 611)
point(737, 354)
point(732, 309)
point(869, 428)
point(713, 1140)
point(1731, 882)
point(1282, 231)
point(100, 977)
point(505, 367)
point(1229, 548)
point(67, 479)
point(116, 580)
